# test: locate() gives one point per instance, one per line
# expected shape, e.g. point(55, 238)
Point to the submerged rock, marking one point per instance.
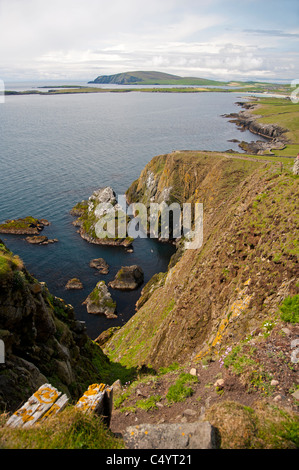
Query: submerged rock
point(99, 264)
point(74, 283)
point(99, 301)
point(128, 278)
point(37, 240)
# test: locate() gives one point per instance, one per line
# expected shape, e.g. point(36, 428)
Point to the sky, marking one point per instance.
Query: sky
point(82, 39)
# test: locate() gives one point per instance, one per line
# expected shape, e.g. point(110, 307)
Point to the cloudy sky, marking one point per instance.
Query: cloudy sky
point(81, 39)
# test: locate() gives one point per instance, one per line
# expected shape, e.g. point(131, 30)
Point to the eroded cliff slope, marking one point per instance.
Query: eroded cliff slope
point(216, 295)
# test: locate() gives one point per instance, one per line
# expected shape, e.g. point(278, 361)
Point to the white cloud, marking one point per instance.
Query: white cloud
point(82, 39)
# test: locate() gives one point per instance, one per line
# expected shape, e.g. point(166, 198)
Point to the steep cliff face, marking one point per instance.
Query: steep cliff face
point(43, 341)
point(216, 295)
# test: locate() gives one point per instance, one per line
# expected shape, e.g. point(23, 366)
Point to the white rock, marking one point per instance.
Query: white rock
point(193, 371)
point(219, 383)
point(274, 382)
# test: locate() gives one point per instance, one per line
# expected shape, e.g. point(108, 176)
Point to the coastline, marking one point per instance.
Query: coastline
point(273, 133)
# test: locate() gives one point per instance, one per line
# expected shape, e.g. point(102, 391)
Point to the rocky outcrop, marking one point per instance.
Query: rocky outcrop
point(99, 301)
point(24, 226)
point(99, 264)
point(40, 240)
point(99, 218)
point(44, 342)
point(128, 278)
point(74, 283)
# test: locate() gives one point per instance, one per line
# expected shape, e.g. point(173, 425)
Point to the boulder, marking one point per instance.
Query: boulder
point(128, 278)
point(74, 284)
point(198, 435)
point(99, 264)
point(99, 301)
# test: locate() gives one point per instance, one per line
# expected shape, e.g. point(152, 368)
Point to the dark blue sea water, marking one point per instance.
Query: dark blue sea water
point(56, 150)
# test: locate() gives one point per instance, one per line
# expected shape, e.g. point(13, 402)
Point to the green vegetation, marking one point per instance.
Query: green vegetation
point(153, 78)
point(71, 429)
point(149, 403)
point(290, 309)
point(9, 263)
point(20, 224)
point(181, 389)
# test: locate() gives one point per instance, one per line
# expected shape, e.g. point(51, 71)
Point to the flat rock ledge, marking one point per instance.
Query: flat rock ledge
point(128, 278)
point(198, 435)
point(40, 240)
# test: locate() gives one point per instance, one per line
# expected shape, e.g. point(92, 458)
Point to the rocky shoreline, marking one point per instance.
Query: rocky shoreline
point(245, 120)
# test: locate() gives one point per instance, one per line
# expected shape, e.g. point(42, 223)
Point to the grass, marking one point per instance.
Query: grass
point(240, 361)
point(261, 427)
point(285, 114)
point(181, 389)
point(290, 309)
point(70, 429)
point(19, 224)
point(149, 403)
point(9, 263)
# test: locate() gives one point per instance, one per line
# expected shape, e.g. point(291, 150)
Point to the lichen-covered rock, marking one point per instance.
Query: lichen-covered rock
point(128, 278)
point(198, 435)
point(99, 301)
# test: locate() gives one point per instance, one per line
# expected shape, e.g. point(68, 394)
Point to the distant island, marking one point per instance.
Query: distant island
point(158, 82)
point(153, 78)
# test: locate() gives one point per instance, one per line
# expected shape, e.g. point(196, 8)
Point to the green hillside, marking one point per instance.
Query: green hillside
point(152, 78)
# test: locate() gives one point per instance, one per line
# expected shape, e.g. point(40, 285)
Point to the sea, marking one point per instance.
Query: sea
point(55, 150)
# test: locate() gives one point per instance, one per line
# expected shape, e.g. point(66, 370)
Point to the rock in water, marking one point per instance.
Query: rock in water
point(102, 220)
point(40, 240)
point(37, 240)
point(128, 278)
point(99, 264)
point(99, 301)
point(74, 284)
